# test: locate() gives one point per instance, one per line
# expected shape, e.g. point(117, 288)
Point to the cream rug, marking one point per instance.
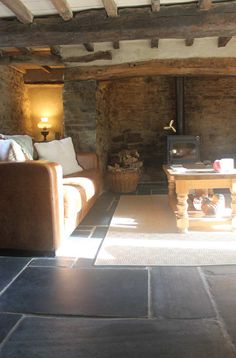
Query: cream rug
point(143, 233)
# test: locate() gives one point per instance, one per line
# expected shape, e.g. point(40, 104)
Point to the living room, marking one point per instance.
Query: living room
point(115, 76)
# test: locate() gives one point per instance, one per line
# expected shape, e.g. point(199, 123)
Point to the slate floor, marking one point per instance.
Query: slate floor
point(65, 307)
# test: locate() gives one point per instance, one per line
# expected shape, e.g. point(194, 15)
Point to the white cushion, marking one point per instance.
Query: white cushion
point(11, 151)
point(60, 151)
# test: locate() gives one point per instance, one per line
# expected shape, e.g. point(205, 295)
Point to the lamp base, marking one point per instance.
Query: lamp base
point(44, 134)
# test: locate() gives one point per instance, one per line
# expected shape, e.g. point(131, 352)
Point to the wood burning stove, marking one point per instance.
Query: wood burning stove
point(183, 149)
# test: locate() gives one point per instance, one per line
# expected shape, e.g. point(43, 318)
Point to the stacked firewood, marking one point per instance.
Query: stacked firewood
point(126, 159)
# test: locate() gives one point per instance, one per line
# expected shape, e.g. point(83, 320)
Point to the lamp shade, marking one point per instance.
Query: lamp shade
point(44, 123)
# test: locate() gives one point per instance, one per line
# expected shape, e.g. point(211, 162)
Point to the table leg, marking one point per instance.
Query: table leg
point(171, 185)
point(182, 213)
point(233, 205)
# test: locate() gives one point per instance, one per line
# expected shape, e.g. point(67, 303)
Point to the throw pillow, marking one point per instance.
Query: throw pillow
point(25, 141)
point(11, 151)
point(60, 151)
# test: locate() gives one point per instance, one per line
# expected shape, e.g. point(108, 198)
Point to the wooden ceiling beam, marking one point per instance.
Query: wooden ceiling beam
point(189, 41)
point(46, 69)
point(40, 60)
point(63, 9)
point(24, 50)
point(116, 45)
point(204, 4)
point(154, 43)
point(139, 23)
point(89, 46)
point(174, 67)
point(155, 4)
point(110, 7)
point(222, 41)
point(22, 13)
point(100, 55)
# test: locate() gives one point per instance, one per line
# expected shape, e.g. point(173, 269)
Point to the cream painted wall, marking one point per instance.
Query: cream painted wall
point(46, 101)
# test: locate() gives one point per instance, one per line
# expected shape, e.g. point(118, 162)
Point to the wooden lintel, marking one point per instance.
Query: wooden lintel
point(174, 67)
point(116, 45)
point(41, 60)
point(189, 41)
point(39, 76)
point(110, 7)
point(222, 41)
point(175, 21)
point(100, 55)
point(20, 10)
point(155, 5)
point(154, 43)
point(63, 9)
point(204, 4)
point(89, 46)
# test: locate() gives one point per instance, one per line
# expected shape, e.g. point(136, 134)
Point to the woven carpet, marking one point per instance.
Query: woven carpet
point(143, 233)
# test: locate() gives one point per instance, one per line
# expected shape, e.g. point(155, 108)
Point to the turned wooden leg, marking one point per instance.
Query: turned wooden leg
point(171, 186)
point(233, 205)
point(182, 213)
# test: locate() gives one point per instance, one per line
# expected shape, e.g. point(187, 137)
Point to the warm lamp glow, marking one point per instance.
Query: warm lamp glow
point(44, 125)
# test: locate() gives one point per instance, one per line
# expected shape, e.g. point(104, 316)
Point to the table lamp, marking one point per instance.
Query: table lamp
point(44, 125)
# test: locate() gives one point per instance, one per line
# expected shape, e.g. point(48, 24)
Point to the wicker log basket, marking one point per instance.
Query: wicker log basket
point(124, 181)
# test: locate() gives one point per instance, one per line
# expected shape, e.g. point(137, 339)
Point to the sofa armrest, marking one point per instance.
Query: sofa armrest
point(31, 205)
point(88, 160)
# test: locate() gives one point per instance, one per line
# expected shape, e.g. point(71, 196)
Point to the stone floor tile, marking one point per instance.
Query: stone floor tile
point(10, 267)
point(52, 262)
point(223, 290)
point(7, 322)
point(91, 292)
point(219, 270)
point(100, 232)
point(105, 338)
point(178, 292)
point(102, 211)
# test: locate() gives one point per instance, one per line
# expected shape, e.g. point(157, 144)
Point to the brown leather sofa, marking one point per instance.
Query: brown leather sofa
point(39, 208)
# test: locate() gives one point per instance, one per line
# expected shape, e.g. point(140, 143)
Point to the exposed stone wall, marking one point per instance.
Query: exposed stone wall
point(210, 112)
point(14, 103)
point(137, 109)
point(79, 99)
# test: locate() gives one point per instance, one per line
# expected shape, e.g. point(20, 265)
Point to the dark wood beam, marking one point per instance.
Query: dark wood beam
point(100, 55)
point(110, 7)
point(189, 41)
point(178, 21)
point(24, 50)
point(44, 60)
point(204, 4)
point(20, 10)
point(175, 67)
point(222, 41)
point(63, 9)
point(89, 47)
point(40, 76)
point(155, 5)
point(116, 45)
point(154, 43)
point(55, 50)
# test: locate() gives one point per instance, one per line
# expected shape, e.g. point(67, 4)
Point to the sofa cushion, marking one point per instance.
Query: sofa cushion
point(84, 185)
point(11, 151)
point(25, 142)
point(60, 151)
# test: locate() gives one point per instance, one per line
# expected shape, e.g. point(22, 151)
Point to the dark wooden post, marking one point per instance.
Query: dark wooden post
point(179, 85)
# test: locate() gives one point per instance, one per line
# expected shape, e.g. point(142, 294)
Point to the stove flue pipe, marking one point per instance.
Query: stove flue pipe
point(180, 120)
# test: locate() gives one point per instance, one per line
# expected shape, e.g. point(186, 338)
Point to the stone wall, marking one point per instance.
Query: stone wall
point(134, 113)
point(79, 99)
point(210, 112)
point(14, 103)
